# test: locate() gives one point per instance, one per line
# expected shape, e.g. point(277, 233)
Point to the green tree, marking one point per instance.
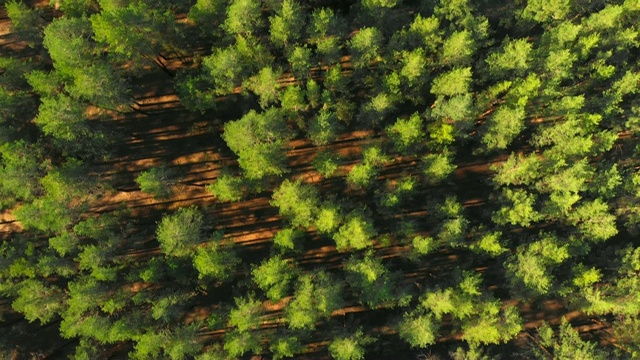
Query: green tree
point(215, 260)
point(180, 232)
point(350, 347)
point(356, 233)
point(316, 296)
point(326, 163)
point(287, 25)
point(227, 187)
point(76, 8)
point(208, 14)
point(66, 190)
point(437, 167)
point(243, 17)
point(288, 239)
point(285, 346)
point(365, 46)
point(454, 82)
point(514, 58)
point(371, 280)
point(155, 182)
point(246, 314)
point(265, 84)
point(407, 134)
point(529, 270)
point(546, 11)
point(38, 301)
point(458, 49)
point(503, 127)
point(258, 139)
point(297, 202)
point(237, 343)
point(274, 277)
point(329, 217)
point(566, 344)
point(324, 128)
point(419, 330)
point(26, 23)
point(20, 172)
point(68, 42)
point(136, 32)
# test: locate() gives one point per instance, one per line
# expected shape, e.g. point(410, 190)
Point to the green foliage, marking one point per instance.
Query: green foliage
point(155, 182)
point(492, 326)
point(454, 82)
point(529, 270)
point(102, 86)
point(39, 302)
point(419, 330)
point(134, 31)
point(225, 67)
point(287, 25)
point(566, 344)
point(518, 170)
point(246, 314)
point(362, 175)
point(514, 58)
point(371, 280)
point(180, 232)
point(292, 100)
point(329, 217)
point(66, 190)
point(594, 221)
point(208, 14)
point(67, 40)
point(546, 11)
point(237, 343)
point(437, 167)
point(423, 245)
point(227, 188)
point(287, 239)
point(26, 23)
point(398, 193)
point(503, 127)
point(407, 134)
point(518, 210)
point(265, 84)
point(458, 49)
point(490, 244)
point(64, 243)
point(274, 277)
point(257, 139)
point(351, 347)
point(315, 297)
point(324, 128)
point(356, 233)
point(285, 347)
point(243, 17)
point(297, 202)
point(182, 342)
point(215, 261)
point(21, 169)
point(414, 69)
point(326, 163)
point(365, 46)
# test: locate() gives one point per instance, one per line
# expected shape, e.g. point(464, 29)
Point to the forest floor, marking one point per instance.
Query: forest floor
point(189, 144)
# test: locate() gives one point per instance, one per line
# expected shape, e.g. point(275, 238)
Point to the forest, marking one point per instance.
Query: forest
point(319, 179)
